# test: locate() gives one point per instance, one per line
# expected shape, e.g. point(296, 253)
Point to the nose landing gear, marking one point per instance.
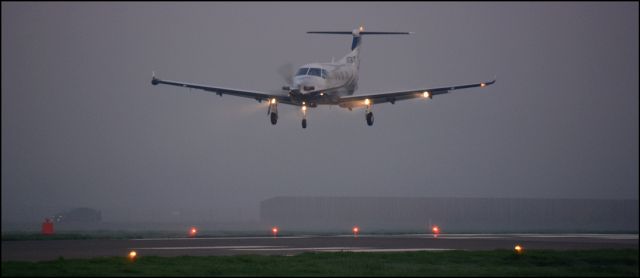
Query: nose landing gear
point(304, 116)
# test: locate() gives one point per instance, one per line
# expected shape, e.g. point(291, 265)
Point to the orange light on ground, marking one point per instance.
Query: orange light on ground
point(133, 255)
point(193, 231)
point(518, 249)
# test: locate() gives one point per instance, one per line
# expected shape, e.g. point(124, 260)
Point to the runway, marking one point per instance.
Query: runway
point(37, 250)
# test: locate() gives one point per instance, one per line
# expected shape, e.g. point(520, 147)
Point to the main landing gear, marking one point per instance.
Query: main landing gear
point(369, 114)
point(273, 111)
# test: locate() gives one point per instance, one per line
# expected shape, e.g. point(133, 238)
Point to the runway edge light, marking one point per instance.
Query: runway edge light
point(436, 230)
point(518, 249)
point(193, 231)
point(133, 255)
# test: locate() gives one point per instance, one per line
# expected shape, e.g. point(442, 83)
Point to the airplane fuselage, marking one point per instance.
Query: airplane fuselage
point(324, 83)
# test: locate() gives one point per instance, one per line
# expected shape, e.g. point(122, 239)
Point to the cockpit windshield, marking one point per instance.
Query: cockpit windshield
point(313, 71)
point(302, 71)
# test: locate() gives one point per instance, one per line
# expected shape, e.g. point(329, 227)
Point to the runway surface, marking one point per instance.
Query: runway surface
point(37, 250)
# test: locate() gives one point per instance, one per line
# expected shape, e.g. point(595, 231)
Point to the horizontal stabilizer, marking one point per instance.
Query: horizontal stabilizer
point(361, 33)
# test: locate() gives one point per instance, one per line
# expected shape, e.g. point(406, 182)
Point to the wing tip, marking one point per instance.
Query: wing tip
point(154, 79)
point(488, 82)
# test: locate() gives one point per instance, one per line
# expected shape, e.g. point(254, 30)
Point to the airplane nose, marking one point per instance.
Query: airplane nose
point(304, 85)
point(307, 84)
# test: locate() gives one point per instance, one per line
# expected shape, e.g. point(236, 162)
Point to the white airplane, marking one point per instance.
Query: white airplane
point(328, 84)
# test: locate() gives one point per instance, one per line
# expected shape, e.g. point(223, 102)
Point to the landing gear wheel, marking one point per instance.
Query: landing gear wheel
point(370, 118)
point(304, 123)
point(274, 118)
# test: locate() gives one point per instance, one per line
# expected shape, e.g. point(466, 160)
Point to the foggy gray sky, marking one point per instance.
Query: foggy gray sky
point(83, 126)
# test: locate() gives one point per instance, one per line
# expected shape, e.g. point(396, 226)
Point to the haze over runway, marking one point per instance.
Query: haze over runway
point(83, 127)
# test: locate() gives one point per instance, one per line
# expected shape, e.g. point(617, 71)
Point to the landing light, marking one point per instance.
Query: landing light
point(367, 101)
point(304, 108)
point(483, 84)
point(426, 94)
point(273, 101)
point(361, 28)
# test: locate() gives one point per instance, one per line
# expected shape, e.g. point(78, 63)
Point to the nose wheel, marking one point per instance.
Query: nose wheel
point(304, 123)
point(274, 118)
point(370, 118)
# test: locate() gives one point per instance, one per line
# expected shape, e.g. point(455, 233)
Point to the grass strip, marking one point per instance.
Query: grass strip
point(604, 262)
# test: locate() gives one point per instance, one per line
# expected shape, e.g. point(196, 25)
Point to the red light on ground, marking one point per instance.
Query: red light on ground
point(193, 231)
point(47, 227)
point(274, 230)
point(356, 230)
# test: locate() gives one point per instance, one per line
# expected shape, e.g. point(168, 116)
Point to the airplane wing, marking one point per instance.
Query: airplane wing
point(259, 96)
point(392, 97)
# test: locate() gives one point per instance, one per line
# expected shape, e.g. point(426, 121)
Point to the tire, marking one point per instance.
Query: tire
point(274, 118)
point(370, 118)
point(304, 123)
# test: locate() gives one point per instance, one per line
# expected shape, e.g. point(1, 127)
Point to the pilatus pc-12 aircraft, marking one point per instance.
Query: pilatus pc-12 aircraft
point(327, 84)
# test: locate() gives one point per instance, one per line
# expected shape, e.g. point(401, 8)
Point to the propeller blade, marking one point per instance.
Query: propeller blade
point(286, 72)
